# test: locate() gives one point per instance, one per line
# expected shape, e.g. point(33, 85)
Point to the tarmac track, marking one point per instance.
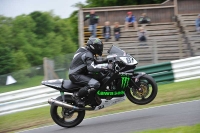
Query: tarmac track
point(172, 115)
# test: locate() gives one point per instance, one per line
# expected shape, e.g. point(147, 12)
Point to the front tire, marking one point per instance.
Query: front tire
point(66, 117)
point(148, 92)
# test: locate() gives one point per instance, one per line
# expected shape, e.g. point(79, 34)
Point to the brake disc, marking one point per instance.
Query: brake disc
point(143, 92)
point(67, 114)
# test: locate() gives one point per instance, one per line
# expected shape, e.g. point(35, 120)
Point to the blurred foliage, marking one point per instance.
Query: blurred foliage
point(26, 39)
point(101, 3)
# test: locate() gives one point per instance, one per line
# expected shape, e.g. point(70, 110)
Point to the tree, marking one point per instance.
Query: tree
point(20, 60)
point(26, 39)
point(6, 58)
point(44, 22)
point(101, 3)
point(73, 28)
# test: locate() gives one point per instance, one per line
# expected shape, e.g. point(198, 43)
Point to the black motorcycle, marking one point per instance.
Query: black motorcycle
point(116, 84)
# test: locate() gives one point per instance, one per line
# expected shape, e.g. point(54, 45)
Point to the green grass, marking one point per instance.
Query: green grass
point(168, 93)
point(35, 81)
point(182, 129)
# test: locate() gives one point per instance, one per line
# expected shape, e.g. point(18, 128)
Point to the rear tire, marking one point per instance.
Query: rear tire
point(133, 95)
point(59, 117)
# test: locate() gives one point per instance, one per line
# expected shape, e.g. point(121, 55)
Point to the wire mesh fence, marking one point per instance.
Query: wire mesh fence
point(22, 76)
point(57, 67)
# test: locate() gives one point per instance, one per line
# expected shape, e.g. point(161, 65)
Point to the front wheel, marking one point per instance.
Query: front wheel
point(66, 117)
point(145, 94)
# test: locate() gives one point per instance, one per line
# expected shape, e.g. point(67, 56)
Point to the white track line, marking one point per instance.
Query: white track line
point(120, 113)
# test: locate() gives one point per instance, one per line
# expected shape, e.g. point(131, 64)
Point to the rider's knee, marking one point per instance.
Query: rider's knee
point(96, 85)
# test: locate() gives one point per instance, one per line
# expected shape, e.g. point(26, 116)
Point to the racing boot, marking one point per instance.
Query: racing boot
point(93, 97)
point(78, 100)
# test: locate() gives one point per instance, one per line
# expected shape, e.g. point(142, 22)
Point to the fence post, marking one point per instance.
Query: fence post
point(49, 69)
point(45, 68)
point(80, 27)
point(180, 48)
point(175, 8)
point(136, 53)
point(155, 52)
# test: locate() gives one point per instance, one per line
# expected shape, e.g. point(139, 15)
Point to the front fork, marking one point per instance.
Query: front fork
point(137, 78)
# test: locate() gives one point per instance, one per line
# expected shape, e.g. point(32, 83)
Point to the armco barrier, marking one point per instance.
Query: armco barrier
point(161, 72)
point(25, 93)
point(35, 97)
point(178, 70)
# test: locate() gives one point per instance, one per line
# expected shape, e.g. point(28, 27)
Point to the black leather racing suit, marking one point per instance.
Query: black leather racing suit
point(82, 63)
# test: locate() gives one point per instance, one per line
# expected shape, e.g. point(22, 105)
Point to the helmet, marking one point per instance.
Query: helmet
point(95, 45)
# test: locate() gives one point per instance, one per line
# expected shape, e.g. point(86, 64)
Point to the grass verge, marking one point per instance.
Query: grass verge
point(182, 129)
point(168, 93)
point(35, 81)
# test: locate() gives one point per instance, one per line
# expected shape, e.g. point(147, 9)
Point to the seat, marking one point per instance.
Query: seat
point(68, 86)
point(56, 83)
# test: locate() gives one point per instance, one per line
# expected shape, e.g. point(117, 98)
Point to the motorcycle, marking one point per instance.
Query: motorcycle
point(116, 84)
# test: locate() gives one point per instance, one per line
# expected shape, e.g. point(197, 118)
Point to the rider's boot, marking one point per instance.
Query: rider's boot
point(78, 100)
point(93, 97)
point(78, 95)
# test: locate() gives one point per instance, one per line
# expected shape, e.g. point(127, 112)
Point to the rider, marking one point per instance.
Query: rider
point(82, 63)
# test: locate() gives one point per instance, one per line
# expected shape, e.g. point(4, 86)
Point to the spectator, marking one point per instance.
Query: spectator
point(93, 20)
point(116, 31)
point(107, 31)
point(142, 35)
point(144, 19)
point(198, 23)
point(130, 21)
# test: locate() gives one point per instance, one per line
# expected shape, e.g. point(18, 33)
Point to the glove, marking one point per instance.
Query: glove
point(110, 66)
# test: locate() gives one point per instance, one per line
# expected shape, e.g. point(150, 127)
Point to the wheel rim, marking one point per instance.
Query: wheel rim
point(145, 91)
point(66, 115)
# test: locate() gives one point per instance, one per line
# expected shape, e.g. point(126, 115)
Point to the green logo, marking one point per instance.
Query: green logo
point(96, 40)
point(125, 81)
point(110, 93)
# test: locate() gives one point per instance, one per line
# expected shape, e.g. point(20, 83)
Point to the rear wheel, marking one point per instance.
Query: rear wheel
point(147, 92)
point(66, 117)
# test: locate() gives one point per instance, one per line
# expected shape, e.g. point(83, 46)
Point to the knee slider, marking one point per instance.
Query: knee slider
point(94, 84)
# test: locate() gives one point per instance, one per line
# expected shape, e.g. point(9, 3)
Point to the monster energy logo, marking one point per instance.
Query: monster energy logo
point(125, 81)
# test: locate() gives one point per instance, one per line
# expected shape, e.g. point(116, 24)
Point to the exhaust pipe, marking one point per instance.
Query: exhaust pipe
point(61, 104)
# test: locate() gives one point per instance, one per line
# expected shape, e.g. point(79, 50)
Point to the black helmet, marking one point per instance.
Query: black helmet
point(95, 46)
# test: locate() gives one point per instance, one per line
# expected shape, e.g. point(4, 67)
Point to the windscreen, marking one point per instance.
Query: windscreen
point(115, 50)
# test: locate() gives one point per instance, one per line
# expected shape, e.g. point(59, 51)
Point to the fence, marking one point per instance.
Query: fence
point(22, 75)
point(21, 79)
point(174, 71)
point(35, 97)
point(25, 99)
point(56, 67)
point(188, 6)
point(163, 12)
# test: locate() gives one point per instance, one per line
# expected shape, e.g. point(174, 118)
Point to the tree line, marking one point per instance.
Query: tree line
point(26, 39)
point(102, 3)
